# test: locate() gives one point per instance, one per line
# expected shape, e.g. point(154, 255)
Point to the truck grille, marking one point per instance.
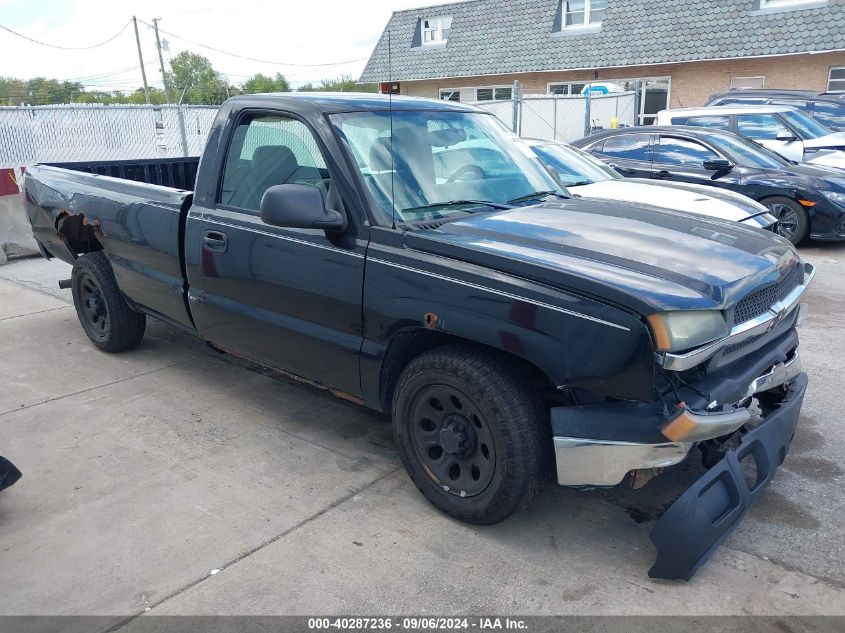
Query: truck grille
point(759, 302)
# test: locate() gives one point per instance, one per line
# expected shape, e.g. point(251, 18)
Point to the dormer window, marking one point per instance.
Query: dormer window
point(583, 13)
point(436, 30)
point(789, 5)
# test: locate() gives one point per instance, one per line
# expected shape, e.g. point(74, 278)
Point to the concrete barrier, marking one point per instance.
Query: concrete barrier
point(15, 232)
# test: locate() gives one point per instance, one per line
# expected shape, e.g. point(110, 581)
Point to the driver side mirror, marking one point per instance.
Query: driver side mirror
point(299, 207)
point(786, 137)
point(718, 164)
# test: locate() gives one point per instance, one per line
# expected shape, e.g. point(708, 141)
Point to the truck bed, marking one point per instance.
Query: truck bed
point(140, 226)
point(178, 173)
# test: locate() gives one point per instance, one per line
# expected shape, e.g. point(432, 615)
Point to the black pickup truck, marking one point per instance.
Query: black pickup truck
point(416, 257)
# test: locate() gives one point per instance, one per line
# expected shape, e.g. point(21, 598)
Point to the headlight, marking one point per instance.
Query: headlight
point(835, 197)
point(677, 331)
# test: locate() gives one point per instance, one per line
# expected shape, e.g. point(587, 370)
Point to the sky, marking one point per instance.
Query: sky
point(290, 33)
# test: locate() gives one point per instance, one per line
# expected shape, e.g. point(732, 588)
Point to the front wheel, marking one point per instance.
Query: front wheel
point(103, 312)
point(793, 222)
point(474, 438)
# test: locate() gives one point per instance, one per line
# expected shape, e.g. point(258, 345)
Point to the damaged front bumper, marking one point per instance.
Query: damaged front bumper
point(591, 461)
point(703, 517)
point(600, 444)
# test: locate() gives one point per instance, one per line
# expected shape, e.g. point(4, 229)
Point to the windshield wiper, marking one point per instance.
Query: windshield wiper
point(536, 195)
point(579, 183)
point(458, 203)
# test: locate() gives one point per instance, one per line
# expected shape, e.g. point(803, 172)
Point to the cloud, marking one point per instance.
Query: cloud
point(290, 32)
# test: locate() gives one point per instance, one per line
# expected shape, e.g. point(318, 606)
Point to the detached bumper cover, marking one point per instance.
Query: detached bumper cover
point(703, 517)
point(8, 473)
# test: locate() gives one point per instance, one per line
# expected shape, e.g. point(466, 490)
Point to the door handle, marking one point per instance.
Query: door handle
point(215, 241)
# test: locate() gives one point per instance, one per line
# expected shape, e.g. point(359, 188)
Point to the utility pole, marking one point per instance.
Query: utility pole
point(141, 59)
point(161, 61)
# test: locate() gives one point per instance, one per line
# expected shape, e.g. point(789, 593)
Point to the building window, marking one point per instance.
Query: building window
point(436, 30)
point(566, 89)
point(836, 80)
point(787, 5)
point(747, 83)
point(450, 95)
point(581, 13)
point(493, 93)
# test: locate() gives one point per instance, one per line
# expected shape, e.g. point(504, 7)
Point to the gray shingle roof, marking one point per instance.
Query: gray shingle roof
point(494, 37)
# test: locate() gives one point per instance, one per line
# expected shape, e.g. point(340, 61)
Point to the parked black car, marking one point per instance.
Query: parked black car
point(828, 108)
point(808, 201)
point(506, 326)
point(8, 473)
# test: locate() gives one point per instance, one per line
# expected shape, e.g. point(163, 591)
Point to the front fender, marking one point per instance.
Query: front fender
point(579, 343)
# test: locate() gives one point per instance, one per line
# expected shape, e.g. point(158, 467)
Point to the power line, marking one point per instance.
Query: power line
point(252, 59)
point(106, 74)
point(67, 48)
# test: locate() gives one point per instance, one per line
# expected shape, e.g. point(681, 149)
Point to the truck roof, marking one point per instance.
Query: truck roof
point(333, 102)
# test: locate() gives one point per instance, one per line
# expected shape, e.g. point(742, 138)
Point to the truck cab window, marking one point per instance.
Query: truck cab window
point(267, 151)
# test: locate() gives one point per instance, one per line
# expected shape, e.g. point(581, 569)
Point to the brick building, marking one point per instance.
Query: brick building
point(675, 52)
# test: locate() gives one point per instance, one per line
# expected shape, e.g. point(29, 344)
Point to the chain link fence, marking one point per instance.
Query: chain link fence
point(80, 133)
point(563, 117)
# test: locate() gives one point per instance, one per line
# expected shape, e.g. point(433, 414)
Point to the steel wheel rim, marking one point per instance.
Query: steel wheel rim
point(787, 219)
point(452, 441)
point(94, 307)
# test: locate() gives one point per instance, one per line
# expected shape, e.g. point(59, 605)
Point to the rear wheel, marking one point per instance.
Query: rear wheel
point(103, 312)
point(793, 222)
point(474, 438)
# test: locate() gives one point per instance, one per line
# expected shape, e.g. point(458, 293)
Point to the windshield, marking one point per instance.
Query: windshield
point(573, 166)
point(831, 115)
point(808, 128)
point(434, 164)
point(748, 153)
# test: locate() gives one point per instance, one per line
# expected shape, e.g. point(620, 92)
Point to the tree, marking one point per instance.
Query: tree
point(13, 91)
point(194, 76)
point(262, 83)
point(157, 96)
point(38, 91)
point(344, 83)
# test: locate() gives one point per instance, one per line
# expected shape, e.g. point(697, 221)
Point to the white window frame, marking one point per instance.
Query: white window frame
point(583, 83)
point(438, 25)
point(777, 4)
point(494, 89)
point(587, 24)
point(788, 5)
point(449, 91)
point(762, 85)
point(830, 78)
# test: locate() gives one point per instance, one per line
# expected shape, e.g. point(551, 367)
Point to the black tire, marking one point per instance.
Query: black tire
point(474, 437)
point(793, 221)
point(103, 312)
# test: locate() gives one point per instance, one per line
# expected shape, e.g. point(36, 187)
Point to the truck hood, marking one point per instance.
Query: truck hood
point(677, 198)
point(646, 258)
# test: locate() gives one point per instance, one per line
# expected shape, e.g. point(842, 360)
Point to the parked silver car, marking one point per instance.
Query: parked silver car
point(784, 129)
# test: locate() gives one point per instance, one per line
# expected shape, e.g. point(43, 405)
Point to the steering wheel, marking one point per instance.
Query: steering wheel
point(465, 171)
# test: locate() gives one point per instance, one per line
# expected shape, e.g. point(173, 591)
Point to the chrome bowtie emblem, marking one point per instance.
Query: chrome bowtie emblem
point(778, 316)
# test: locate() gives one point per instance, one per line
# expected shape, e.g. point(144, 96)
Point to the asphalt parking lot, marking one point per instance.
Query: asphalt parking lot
point(174, 480)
